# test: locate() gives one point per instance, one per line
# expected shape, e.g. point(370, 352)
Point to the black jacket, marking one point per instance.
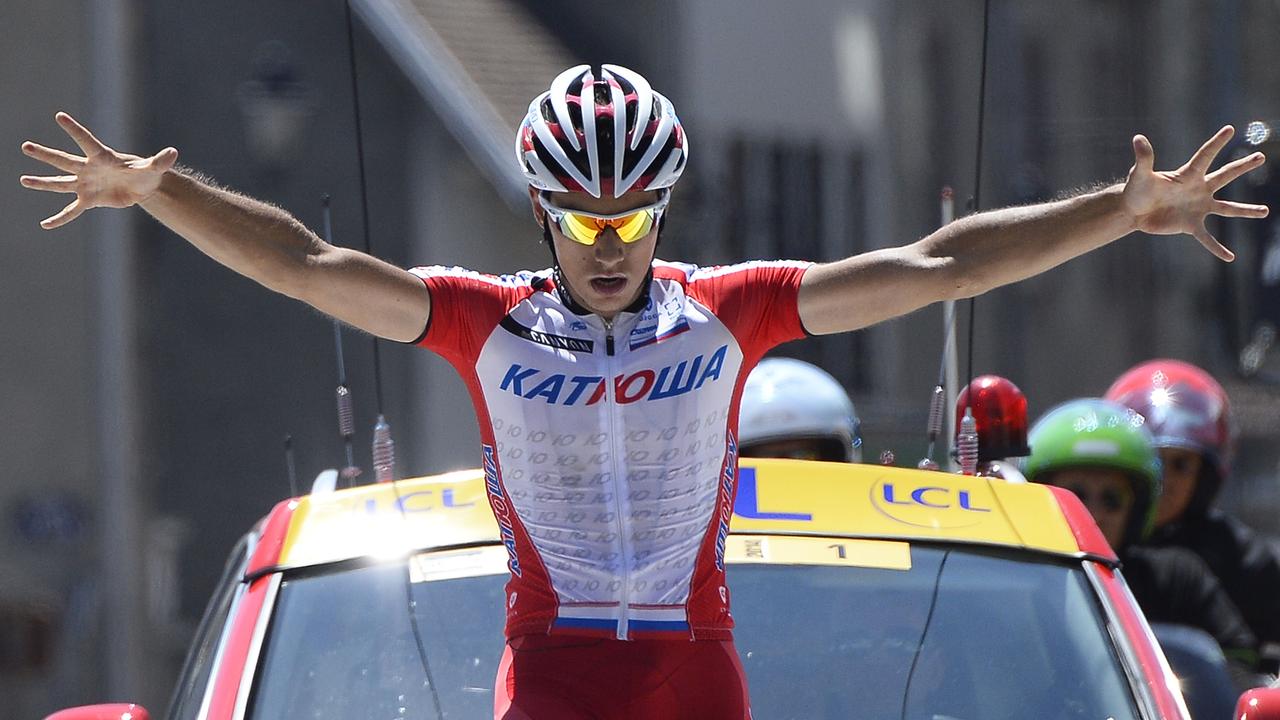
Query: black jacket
point(1173, 585)
point(1248, 568)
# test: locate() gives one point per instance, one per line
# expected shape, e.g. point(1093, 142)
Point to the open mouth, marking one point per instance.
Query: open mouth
point(608, 285)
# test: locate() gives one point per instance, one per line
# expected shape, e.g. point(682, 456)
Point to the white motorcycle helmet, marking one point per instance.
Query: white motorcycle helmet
point(788, 403)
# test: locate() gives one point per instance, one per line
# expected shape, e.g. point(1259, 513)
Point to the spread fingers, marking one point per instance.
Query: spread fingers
point(85, 139)
point(68, 213)
point(65, 162)
point(56, 183)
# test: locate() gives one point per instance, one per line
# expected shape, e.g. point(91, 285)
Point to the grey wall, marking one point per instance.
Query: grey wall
point(47, 489)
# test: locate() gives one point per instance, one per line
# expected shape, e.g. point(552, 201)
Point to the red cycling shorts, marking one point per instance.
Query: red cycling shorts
point(576, 678)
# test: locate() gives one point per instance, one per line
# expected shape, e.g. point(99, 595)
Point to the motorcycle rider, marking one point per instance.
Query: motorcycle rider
point(1102, 453)
point(1189, 415)
point(794, 409)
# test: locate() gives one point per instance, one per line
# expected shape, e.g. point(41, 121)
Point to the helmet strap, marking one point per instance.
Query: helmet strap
point(561, 286)
point(550, 243)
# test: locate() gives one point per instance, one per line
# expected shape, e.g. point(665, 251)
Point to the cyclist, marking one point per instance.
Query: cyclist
point(1190, 416)
point(794, 409)
point(1101, 452)
point(607, 386)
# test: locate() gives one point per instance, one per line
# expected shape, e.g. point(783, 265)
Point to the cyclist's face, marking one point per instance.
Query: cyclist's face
point(607, 276)
point(1181, 472)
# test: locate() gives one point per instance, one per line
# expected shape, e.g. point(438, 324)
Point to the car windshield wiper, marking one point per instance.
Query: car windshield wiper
point(411, 610)
point(924, 633)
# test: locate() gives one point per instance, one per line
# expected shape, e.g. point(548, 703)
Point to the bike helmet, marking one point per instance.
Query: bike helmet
point(1184, 408)
point(788, 399)
point(605, 134)
point(1097, 433)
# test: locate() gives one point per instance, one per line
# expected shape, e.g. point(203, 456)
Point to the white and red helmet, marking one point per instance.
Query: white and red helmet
point(605, 135)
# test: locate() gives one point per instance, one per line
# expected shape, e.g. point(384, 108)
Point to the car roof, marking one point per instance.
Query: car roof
point(775, 497)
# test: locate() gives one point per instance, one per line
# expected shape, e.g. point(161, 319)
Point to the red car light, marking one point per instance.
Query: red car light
point(1000, 410)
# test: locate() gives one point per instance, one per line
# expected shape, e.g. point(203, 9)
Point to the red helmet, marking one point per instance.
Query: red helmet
point(1184, 407)
point(1000, 411)
point(604, 134)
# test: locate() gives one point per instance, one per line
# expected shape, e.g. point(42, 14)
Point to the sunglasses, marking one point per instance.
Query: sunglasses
point(1109, 500)
point(586, 227)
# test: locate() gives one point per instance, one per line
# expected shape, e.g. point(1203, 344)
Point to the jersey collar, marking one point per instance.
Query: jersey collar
point(561, 289)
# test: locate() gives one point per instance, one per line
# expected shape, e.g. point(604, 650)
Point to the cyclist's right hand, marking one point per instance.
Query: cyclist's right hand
point(101, 177)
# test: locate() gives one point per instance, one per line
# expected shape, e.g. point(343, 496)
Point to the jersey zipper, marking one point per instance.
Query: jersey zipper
point(619, 484)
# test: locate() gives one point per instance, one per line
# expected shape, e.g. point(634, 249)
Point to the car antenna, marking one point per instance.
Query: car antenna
point(346, 413)
point(384, 449)
point(945, 387)
point(291, 467)
point(966, 437)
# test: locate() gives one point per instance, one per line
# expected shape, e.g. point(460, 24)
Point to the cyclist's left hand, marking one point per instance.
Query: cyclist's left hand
point(1179, 201)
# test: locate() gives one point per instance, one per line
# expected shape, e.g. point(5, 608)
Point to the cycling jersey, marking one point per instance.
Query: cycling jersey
point(608, 447)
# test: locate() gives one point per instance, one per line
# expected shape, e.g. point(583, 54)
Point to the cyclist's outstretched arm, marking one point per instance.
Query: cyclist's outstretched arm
point(975, 254)
point(253, 238)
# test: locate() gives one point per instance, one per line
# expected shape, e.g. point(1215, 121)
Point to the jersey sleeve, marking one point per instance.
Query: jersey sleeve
point(466, 306)
point(757, 301)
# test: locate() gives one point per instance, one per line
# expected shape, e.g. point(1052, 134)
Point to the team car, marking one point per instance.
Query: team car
point(858, 591)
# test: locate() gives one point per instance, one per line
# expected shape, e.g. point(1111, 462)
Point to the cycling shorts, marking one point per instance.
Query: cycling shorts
point(577, 678)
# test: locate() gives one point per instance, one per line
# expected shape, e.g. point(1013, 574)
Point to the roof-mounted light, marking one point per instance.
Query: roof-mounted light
point(1000, 411)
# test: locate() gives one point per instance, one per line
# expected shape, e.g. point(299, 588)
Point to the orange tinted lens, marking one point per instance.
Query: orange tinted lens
point(585, 228)
point(581, 228)
point(634, 226)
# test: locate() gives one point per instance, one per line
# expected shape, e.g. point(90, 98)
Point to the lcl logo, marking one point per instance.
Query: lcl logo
point(929, 506)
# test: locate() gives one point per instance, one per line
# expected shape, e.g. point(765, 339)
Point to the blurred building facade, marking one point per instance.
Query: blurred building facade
point(149, 390)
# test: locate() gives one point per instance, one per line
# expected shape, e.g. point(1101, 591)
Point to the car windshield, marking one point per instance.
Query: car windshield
point(962, 634)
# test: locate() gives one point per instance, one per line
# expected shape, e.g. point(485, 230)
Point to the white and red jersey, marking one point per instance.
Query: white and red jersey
point(608, 448)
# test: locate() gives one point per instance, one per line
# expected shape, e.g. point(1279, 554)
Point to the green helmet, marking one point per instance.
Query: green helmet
point(1096, 433)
